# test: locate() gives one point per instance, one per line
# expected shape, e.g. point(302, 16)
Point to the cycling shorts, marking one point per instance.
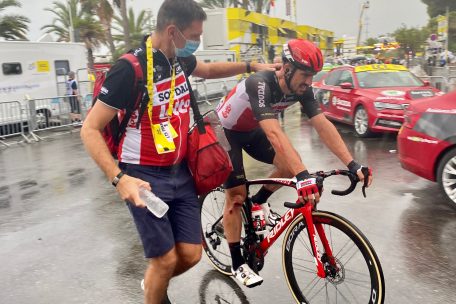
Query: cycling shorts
point(256, 144)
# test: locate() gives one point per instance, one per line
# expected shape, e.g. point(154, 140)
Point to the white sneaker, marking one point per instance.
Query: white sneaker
point(270, 216)
point(247, 276)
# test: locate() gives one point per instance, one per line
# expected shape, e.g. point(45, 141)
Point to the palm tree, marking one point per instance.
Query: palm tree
point(104, 10)
point(218, 3)
point(89, 30)
point(137, 28)
point(122, 5)
point(12, 26)
point(256, 6)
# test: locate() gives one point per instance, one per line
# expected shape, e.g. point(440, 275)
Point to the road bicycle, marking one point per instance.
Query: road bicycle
point(325, 258)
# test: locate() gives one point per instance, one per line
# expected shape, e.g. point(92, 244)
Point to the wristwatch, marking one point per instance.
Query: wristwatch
point(248, 67)
point(116, 179)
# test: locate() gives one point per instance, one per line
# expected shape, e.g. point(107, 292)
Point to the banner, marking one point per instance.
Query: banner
point(442, 27)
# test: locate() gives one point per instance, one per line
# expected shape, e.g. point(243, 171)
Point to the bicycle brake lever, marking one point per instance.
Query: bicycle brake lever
point(365, 172)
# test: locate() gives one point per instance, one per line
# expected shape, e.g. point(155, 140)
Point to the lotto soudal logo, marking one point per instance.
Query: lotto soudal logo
point(104, 91)
point(305, 183)
point(261, 87)
point(226, 111)
point(177, 92)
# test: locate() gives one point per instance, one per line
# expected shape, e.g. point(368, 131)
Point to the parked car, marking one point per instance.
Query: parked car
point(372, 98)
point(427, 142)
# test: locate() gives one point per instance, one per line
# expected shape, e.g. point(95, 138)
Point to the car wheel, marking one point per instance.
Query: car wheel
point(361, 122)
point(446, 176)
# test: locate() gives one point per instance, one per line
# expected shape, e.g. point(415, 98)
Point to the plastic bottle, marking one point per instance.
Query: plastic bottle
point(259, 223)
point(153, 202)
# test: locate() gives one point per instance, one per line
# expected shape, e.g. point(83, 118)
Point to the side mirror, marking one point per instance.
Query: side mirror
point(346, 85)
point(426, 83)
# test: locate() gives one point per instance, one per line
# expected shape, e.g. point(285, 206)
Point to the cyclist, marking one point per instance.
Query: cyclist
point(249, 116)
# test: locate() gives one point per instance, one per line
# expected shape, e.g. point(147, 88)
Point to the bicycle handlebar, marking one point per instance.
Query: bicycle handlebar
point(321, 175)
point(353, 180)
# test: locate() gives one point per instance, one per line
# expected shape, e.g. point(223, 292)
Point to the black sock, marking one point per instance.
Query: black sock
point(236, 256)
point(262, 196)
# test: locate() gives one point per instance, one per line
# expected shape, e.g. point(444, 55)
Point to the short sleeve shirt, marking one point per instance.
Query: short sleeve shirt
point(137, 145)
point(257, 98)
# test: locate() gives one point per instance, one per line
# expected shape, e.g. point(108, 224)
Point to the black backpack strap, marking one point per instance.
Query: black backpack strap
point(197, 117)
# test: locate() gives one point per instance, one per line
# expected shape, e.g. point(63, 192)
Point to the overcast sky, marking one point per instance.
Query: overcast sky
point(340, 16)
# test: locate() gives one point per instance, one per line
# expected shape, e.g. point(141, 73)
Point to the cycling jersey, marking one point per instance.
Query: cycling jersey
point(257, 98)
point(137, 145)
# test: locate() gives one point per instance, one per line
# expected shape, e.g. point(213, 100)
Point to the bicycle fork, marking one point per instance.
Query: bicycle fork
point(312, 229)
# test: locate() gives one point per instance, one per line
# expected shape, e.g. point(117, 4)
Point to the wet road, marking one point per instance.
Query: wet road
point(66, 237)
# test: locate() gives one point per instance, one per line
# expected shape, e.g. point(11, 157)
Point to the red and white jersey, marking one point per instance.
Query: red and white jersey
point(257, 98)
point(137, 145)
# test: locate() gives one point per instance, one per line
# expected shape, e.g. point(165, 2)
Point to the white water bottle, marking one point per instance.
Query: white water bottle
point(153, 202)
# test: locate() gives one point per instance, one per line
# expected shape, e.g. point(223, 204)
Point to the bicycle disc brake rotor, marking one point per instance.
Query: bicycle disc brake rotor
point(335, 271)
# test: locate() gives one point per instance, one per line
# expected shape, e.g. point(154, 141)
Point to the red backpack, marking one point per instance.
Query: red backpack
point(115, 129)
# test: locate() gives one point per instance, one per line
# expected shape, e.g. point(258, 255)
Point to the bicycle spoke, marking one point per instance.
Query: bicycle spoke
point(350, 282)
point(343, 296)
point(305, 269)
point(304, 243)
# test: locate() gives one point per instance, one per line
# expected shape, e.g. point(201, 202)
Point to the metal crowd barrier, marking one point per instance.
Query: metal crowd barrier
point(439, 82)
point(203, 94)
point(29, 117)
point(13, 121)
point(56, 112)
point(451, 83)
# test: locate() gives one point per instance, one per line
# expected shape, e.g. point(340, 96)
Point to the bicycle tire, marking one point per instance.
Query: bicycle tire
point(359, 255)
point(211, 210)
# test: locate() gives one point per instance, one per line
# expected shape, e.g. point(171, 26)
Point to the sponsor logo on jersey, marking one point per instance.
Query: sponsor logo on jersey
point(104, 91)
point(226, 111)
point(261, 88)
point(162, 96)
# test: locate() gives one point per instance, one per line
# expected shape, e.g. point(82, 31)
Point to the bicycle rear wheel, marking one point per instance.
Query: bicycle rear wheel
point(357, 276)
point(214, 242)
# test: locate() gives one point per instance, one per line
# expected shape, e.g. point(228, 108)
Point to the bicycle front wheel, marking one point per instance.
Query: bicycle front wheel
point(357, 275)
point(215, 244)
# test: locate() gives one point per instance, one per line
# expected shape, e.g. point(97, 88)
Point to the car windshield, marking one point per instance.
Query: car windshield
point(381, 79)
point(319, 75)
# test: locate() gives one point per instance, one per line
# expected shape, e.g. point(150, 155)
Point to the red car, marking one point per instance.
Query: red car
point(427, 142)
point(372, 98)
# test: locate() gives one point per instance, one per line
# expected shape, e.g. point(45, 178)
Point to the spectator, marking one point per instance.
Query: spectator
point(72, 92)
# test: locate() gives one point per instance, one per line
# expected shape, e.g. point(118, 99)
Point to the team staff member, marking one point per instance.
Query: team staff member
point(249, 116)
point(172, 243)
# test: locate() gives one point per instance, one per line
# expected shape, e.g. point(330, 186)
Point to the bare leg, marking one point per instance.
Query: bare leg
point(160, 270)
point(232, 221)
point(157, 276)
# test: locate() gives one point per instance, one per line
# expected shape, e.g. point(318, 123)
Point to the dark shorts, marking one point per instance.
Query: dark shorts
point(182, 223)
point(256, 144)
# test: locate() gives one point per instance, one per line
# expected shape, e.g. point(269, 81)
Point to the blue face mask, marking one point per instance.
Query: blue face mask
point(190, 47)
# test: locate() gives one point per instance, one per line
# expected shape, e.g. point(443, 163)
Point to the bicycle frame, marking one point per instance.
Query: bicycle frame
point(288, 218)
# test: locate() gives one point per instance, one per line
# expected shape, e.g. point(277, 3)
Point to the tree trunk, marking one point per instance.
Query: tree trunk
point(126, 28)
point(90, 59)
point(109, 39)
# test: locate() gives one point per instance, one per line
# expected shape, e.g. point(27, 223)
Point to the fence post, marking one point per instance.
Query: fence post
point(31, 120)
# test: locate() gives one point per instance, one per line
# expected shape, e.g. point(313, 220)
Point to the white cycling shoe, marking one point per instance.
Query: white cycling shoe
point(270, 217)
point(247, 276)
